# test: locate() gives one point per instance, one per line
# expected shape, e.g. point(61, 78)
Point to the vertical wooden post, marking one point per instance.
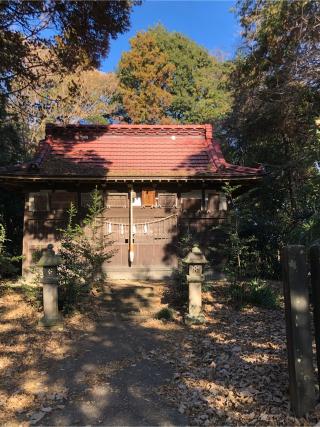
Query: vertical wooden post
point(315, 282)
point(131, 251)
point(298, 325)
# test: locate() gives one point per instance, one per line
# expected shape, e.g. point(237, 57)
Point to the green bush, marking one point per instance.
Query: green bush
point(8, 263)
point(239, 247)
point(84, 249)
point(165, 314)
point(255, 292)
point(180, 285)
point(32, 294)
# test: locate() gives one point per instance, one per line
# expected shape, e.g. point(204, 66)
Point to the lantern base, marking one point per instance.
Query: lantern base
point(55, 324)
point(194, 320)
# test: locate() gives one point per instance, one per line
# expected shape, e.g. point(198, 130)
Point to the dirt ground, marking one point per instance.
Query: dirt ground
point(230, 371)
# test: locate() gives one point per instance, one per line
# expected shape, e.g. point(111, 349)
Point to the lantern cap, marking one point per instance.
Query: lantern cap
point(195, 256)
point(49, 258)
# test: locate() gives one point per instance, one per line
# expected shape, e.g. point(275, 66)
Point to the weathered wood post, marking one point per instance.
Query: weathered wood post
point(298, 325)
point(195, 261)
point(315, 283)
point(49, 263)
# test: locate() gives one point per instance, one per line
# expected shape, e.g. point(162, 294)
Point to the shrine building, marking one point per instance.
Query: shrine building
point(159, 183)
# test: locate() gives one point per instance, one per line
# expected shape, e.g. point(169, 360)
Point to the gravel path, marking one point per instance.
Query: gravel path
point(111, 379)
point(98, 370)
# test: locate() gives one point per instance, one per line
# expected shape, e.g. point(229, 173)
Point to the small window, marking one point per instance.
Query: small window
point(136, 200)
point(39, 202)
point(148, 197)
point(212, 202)
point(167, 200)
point(61, 200)
point(85, 199)
point(223, 204)
point(117, 200)
point(191, 201)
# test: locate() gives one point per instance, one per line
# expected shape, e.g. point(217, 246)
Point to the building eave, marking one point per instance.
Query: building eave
point(203, 178)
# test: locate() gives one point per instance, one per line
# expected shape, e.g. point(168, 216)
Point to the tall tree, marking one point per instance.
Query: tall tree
point(83, 96)
point(145, 79)
point(42, 40)
point(178, 79)
point(276, 104)
point(39, 37)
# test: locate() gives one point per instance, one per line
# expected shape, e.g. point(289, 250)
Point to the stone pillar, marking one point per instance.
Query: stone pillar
point(298, 325)
point(195, 297)
point(51, 316)
point(195, 261)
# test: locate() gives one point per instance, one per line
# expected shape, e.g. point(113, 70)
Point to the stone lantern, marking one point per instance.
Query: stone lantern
point(195, 261)
point(49, 263)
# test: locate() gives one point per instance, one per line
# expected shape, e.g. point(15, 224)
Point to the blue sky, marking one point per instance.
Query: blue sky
point(209, 23)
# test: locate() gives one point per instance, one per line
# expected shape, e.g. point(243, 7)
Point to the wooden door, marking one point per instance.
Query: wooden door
point(148, 197)
point(151, 241)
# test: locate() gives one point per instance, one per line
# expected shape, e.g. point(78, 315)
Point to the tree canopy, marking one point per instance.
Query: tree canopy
point(145, 76)
point(87, 96)
point(41, 43)
point(39, 37)
point(275, 85)
point(166, 77)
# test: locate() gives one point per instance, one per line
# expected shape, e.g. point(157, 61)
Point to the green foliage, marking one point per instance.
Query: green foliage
point(166, 77)
point(199, 86)
point(84, 249)
point(254, 292)
point(42, 42)
point(32, 293)
point(87, 96)
point(165, 314)
point(274, 121)
point(8, 263)
point(239, 248)
point(145, 75)
point(179, 285)
point(72, 34)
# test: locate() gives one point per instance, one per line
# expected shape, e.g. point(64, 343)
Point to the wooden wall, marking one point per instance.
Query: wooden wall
point(158, 229)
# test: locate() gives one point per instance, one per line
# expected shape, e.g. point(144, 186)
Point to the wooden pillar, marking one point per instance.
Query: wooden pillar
point(315, 282)
point(298, 325)
point(130, 249)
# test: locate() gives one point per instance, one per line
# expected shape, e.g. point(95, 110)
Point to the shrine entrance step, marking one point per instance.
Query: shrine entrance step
point(132, 299)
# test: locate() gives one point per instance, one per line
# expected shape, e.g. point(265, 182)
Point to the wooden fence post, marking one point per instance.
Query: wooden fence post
point(315, 282)
point(298, 325)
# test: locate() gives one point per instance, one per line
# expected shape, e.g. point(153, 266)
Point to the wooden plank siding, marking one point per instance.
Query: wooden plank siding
point(161, 219)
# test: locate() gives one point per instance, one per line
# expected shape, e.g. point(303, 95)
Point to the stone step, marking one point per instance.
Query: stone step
point(132, 291)
point(131, 300)
point(116, 296)
point(116, 306)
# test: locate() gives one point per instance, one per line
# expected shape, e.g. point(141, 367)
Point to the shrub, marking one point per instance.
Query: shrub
point(8, 263)
point(255, 292)
point(238, 248)
point(84, 249)
point(165, 314)
point(180, 285)
point(32, 294)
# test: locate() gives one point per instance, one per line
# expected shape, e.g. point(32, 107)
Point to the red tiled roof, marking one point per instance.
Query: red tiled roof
point(183, 151)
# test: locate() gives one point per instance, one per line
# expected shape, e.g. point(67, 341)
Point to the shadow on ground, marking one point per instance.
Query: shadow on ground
point(98, 371)
point(102, 370)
